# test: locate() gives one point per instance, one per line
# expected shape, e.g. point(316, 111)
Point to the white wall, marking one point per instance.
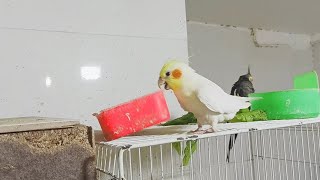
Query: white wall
point(223, 54)
point(293, 16)
point(128, 40)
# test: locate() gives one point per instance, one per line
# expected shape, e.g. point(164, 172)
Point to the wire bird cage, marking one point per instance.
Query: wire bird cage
point(280, 150)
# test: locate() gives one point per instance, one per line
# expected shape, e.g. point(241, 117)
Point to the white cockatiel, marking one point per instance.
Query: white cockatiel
point(196, 94)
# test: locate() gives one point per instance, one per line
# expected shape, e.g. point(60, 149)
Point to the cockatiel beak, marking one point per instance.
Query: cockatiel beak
point(162, 83)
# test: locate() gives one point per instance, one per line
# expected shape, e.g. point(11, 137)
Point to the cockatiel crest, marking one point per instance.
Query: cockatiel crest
point(196, 94)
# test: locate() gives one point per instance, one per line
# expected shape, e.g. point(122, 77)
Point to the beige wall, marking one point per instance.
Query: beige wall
point(223, 54)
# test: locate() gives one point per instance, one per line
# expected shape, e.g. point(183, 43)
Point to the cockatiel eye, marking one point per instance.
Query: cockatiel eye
point(167, 73)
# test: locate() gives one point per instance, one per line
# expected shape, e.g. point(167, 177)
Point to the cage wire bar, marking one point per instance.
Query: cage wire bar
point(279, 150)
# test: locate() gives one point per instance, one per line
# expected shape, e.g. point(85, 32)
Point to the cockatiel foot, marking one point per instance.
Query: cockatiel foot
point(200, 131)
point(211, 130)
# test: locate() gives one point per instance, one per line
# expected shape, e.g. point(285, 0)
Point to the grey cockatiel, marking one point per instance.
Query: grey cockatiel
point(243, 87)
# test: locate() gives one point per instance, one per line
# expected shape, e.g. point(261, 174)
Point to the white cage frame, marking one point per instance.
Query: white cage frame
point(279, 150)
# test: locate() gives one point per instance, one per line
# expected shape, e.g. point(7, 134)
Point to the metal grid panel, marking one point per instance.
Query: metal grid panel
point(288, 153)
point(264, 150)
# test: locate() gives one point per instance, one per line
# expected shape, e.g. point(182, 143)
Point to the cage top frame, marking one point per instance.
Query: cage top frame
point(158, 135)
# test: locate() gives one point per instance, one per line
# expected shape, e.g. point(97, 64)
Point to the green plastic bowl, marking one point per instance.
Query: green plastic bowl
point(290, 104)
point(306, 80)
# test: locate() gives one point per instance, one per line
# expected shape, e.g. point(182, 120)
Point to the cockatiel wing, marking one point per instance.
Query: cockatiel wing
point(215, 99)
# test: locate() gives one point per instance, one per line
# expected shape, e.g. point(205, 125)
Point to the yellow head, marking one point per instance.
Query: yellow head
point(172, 74)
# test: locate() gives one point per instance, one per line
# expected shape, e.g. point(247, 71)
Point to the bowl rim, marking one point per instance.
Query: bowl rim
point(134, 99)
point(285, 91)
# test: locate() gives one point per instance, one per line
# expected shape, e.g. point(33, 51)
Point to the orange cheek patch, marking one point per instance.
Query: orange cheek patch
point(176, 73)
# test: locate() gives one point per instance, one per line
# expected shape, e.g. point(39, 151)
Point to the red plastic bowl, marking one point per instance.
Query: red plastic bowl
point(133, 116)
